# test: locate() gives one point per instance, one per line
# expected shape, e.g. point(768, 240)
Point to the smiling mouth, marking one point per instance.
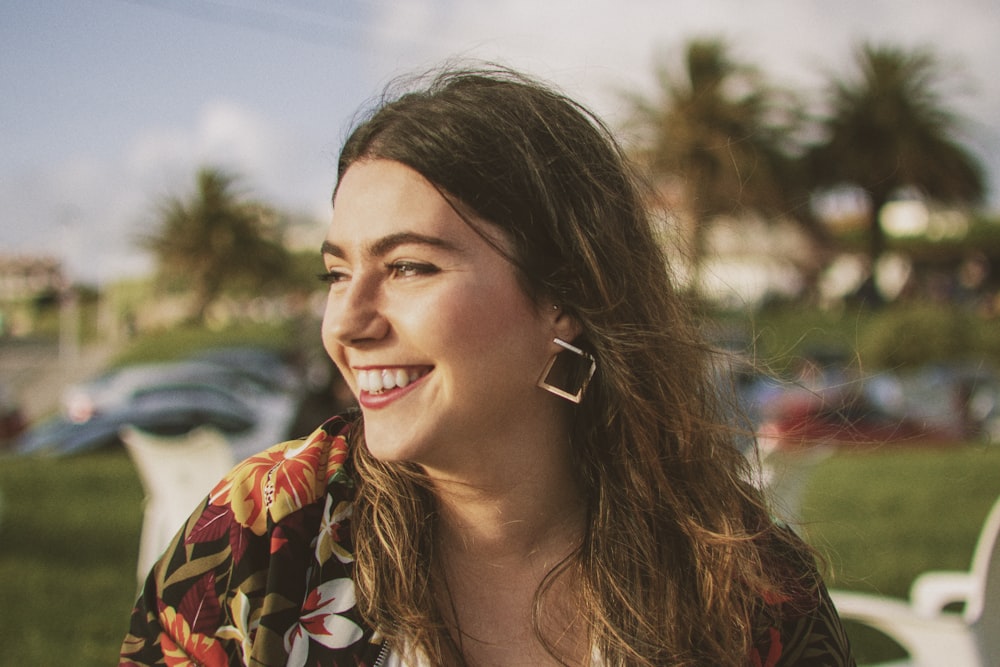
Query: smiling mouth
point(379, 380)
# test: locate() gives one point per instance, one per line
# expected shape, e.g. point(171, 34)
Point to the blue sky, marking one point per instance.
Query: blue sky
point(110, 105)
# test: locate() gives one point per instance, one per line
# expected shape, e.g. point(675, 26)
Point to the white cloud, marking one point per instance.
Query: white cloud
point(596, 49)
point(89, 211)
point(223, 135)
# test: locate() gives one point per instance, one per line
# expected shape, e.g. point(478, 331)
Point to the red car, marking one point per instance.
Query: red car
point(12, 421)
point(840, 415)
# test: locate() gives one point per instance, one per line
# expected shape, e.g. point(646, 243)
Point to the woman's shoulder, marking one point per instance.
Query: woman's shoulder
point(798, 624)
point(288, 476)
point(223, 590)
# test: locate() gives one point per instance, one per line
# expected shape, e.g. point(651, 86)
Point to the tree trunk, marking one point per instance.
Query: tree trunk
point(868, 293)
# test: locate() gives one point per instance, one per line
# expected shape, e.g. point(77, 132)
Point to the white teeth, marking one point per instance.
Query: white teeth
point(388, 379)
point(370, 381)
point(375, 381)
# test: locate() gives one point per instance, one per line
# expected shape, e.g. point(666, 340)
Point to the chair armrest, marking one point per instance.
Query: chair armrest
point(932, 591)
point(943, 640)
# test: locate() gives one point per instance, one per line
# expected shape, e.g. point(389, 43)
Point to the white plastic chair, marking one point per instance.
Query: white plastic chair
point(931, 635)
point(177, 472)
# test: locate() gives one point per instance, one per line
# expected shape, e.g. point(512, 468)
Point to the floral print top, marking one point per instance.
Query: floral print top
point(260, 576)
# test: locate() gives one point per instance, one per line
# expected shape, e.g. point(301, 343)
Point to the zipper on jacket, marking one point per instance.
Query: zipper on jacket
point(382, 654)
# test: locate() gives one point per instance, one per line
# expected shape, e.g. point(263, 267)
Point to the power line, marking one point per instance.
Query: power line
point(302, 24)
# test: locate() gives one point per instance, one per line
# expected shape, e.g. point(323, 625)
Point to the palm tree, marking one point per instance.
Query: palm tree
point(216, 239)
point(717, 134)
point(889, 128)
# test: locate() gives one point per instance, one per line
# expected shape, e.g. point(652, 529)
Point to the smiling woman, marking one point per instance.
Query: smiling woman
point(418, 293)
point(540, 473)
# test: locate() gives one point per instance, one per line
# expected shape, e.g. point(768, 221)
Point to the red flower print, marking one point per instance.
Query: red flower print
point(773, 651)
point(279, 480)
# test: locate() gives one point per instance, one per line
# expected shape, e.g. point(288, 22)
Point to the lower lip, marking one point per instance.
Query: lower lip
point(383, 399)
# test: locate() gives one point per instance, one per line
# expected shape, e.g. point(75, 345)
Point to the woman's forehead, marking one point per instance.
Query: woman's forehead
point(379, 198)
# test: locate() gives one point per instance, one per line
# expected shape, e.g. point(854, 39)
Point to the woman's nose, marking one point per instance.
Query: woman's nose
point(354, 315)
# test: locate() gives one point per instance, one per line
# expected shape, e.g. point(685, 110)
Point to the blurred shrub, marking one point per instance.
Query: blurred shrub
point(897, 336)
point(179, 342)
point(906, 336)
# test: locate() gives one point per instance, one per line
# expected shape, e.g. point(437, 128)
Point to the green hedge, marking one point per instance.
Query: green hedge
point(897, 336)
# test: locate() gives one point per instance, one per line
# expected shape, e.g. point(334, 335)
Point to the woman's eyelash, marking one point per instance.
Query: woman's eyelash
point(400, 269)
point(331, 276)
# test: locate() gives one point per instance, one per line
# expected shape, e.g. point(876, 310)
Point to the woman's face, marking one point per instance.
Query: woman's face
point(429, 324)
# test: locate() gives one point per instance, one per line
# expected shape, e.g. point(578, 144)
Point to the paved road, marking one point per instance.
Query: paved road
point(32, 371)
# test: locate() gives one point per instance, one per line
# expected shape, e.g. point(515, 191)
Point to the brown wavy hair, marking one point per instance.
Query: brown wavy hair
point(679, 550)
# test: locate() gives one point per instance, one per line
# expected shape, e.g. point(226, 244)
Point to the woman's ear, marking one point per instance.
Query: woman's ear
point(569, 369)
point(564, 325)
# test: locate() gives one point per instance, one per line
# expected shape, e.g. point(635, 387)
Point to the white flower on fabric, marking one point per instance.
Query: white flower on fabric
point(243, 628)
point(332, 534)
point(321, 621)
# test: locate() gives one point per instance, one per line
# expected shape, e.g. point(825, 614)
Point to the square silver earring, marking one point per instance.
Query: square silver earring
point(568, 373)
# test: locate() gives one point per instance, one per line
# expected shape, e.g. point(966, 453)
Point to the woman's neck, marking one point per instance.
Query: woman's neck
point(523, 520)
point(519, 493)
point(497, 550)
point(517, 510)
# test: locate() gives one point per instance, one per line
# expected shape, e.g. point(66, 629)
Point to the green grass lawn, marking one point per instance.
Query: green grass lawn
point(882, 517)
point(69, 534)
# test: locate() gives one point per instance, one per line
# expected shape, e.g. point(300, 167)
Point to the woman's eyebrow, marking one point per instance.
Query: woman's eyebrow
point(386, 244)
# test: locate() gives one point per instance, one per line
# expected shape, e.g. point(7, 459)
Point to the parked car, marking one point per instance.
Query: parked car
point(249, 394)
point(962, 399)
point(800, 418)
point(166, 410)
point(240, 371)
point(830, 406)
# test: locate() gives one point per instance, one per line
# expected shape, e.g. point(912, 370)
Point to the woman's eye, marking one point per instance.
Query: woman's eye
point(407, 269)
point(332, 276)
